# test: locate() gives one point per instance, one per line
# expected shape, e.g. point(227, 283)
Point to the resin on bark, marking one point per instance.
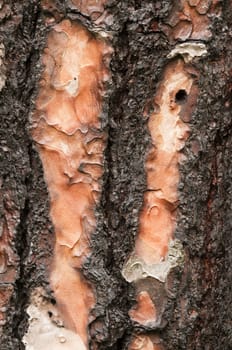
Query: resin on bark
point(46, 329)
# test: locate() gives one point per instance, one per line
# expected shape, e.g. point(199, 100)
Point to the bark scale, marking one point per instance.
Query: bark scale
point(194, 300)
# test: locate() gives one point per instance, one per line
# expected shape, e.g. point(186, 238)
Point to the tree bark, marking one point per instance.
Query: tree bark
point(167, 60)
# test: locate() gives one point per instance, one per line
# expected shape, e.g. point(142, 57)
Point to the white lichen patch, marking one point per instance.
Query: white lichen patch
point(188, 50)
point(46, 329)
point(2, 67)
point(136, 269)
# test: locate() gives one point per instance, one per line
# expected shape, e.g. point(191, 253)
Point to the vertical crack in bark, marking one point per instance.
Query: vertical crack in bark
point(23, 246)
point(66, 126)
point(15, 168)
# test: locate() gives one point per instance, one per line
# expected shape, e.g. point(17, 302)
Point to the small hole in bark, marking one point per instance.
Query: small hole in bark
point(75, 78)
point(53, 301)
point(50, 314)
point(181, 97)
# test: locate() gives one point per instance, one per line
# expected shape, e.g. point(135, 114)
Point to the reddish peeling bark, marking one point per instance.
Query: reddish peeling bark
point(143, 342)
point(92, 8)
point(144, 312)
point(173, 105)
point(168, 133)
point(190, 19)
point(67, 129)
point(152, 257)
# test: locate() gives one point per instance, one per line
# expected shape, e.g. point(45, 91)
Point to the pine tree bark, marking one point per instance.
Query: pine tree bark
point(152, 45)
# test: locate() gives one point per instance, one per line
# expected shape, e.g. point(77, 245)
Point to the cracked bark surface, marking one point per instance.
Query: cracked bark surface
point(196, 295)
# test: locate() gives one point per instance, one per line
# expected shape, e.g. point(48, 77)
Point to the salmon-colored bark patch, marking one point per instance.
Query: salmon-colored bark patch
point(190, 19)
point(144, 342)
point(67, 129)
point(168, 133)
point(156, 249)
point(145, 311)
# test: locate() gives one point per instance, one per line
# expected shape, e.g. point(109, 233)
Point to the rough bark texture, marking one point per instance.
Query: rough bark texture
point(196, 309)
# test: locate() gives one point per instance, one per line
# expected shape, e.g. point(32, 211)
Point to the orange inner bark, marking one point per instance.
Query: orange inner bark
point(145, 311)
point(190, 19)
point(67, 129)
point(175, 99)
point(144, 342)
point(168, 133)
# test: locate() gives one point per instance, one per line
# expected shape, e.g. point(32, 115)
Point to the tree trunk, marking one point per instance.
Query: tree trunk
point(115, 174)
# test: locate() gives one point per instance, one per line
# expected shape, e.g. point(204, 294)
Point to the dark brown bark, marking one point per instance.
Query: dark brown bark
point(195, 302)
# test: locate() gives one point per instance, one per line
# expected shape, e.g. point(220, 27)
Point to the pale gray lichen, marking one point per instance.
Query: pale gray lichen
point(188, 50)
point(136, 269)
point(45, 330)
